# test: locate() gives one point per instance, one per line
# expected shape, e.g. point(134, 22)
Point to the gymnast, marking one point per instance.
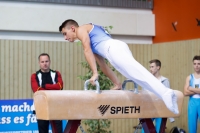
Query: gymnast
point(98, 45)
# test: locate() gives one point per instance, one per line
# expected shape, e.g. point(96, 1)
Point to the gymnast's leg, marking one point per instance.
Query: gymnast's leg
point(119, 55)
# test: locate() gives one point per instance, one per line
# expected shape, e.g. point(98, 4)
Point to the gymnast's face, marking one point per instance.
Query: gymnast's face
point(69, 33)
point(44, 63)
point(153, 68)
point(196, 64)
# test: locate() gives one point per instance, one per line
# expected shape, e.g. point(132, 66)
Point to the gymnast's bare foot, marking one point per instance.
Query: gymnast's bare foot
point(117, 87)
point(170, 101)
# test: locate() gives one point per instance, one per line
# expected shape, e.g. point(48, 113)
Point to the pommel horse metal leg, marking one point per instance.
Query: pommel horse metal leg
point(149, 127)
point(163, 125)
point(53, 126)
point(72, 126)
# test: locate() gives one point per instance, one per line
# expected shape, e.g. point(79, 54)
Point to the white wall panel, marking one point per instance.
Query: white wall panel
point(38, 17)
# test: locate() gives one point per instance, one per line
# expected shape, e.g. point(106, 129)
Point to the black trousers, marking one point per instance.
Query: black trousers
point(43, 126)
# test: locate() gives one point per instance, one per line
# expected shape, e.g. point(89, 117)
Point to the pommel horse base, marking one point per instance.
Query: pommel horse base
point(75, 105)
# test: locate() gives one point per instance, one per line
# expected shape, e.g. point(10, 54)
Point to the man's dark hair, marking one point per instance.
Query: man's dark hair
point(68, 22)
point(156, 61)
point(43, 54)
point(196, 57)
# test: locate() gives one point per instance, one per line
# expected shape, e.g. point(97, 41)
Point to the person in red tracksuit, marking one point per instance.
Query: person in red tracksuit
point(47, 79)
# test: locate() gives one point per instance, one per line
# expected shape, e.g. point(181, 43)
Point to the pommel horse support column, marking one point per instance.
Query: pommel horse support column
point(75, 105)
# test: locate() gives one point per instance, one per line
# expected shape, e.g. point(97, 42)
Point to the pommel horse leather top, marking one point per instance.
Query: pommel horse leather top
point(75, 105)
point(108, 104)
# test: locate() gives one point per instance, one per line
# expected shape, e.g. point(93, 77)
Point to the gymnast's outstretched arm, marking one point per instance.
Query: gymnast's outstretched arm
point(108, 72)
point(83, 36)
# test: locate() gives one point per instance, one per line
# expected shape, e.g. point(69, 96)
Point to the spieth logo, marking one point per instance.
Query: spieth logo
point(103, 109)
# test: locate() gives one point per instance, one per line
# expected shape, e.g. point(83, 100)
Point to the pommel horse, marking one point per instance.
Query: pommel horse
point(75, 105)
